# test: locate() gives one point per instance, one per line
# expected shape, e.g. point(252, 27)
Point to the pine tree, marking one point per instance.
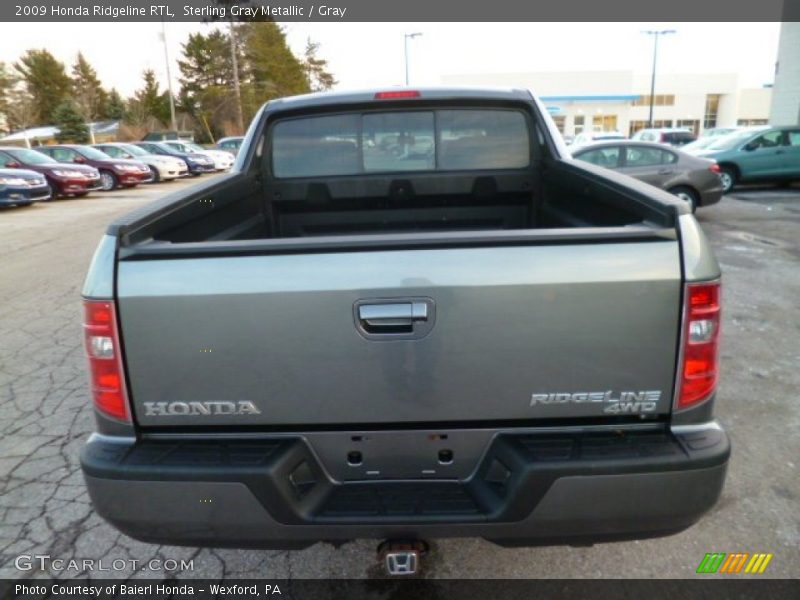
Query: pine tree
point(72, 126)
point(115, 107)
point(207, 91)
point(6, 87)
point(46, 81)
point(269, 69)
point(21, 112)
point(149, 101)
point(206, 62)
point(90, 97)
point(316, 69)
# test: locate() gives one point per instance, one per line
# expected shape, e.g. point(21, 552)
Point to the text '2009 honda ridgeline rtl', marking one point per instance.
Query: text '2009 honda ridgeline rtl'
point(405, 315)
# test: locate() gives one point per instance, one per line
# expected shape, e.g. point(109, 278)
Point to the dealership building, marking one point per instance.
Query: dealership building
point(786, 97)
point(620, 100)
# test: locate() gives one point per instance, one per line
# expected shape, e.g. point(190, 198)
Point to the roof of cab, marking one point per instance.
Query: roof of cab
point(425, 93)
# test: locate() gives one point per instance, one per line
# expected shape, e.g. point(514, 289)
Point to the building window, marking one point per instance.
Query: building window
point(751, 122)
point(560, 121)
point(645, 124)
point(636, 126)
point(712, 107)
point(579, 124)
point(604, 123)
point(693, 124)
point(660, 100)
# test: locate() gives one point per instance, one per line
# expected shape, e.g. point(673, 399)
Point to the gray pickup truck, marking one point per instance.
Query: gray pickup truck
point(405, 315)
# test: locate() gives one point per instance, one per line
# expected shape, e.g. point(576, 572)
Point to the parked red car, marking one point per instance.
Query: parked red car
point(64, 180)
point(114, 172)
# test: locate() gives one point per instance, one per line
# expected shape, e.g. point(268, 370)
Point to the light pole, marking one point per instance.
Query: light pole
point(406, 37)
point(236, 87)
point(655, 33)
point(169, 79)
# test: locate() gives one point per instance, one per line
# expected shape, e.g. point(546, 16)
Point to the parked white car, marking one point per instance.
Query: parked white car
point(163, 168)
point(223, 160)
point(590, 137)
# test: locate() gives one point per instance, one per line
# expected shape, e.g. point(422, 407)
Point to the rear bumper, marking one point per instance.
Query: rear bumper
point(528, 489)
point(711, 196)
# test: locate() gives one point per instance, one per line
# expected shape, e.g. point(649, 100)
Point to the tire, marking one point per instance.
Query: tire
point(688, 195)
point(108, 181)
point(729, 177)
point(53, 190)
point(155, 173)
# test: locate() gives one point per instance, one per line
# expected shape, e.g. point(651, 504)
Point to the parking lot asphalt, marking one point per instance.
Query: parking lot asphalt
point(45, 416)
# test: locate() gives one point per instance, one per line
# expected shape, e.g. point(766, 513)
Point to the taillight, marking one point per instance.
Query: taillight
point(699, 368)
point(714, 168)
point(101, 341)
point(397, 94)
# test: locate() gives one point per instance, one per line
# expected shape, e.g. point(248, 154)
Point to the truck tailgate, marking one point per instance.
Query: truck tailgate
point(402, 336)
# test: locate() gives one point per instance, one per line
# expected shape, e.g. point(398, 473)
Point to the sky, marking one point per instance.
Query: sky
point(366, 55)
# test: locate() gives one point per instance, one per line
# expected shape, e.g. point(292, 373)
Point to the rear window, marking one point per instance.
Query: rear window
point(384, 142)
point(678, 137)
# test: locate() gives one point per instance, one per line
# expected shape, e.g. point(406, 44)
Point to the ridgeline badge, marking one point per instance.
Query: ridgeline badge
point(626, 402)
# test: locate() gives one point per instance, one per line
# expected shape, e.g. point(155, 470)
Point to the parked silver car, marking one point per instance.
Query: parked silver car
point(694, 179)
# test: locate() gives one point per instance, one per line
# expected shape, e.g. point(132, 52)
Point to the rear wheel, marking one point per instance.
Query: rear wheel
point(108, 181)
point(728, 176)
point(688, 195)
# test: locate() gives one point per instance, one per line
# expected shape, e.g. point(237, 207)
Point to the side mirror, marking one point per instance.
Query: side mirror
point(13, 165)
point(751, 146)
point(79, 159)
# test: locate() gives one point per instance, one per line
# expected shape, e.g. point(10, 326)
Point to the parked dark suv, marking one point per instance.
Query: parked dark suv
point(114, 172)
point(64, 180)
point(197, 163)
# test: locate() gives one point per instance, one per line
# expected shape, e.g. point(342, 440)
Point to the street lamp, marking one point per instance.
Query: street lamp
point(169, 78)
point(655, 33)
point(406, 37)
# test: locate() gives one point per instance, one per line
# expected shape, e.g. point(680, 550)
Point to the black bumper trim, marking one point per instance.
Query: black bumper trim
point(656, 482)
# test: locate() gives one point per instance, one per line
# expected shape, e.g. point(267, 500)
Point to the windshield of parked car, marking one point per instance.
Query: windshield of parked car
point(726, 142)
point(93, 153)
point(424, 140)
point(32, 157)
point(131, 149)
point(194, 147)
point(704, 142)
point(168, 149)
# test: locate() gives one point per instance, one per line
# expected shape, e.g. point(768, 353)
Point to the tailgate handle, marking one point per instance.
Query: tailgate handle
point(392, 317)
